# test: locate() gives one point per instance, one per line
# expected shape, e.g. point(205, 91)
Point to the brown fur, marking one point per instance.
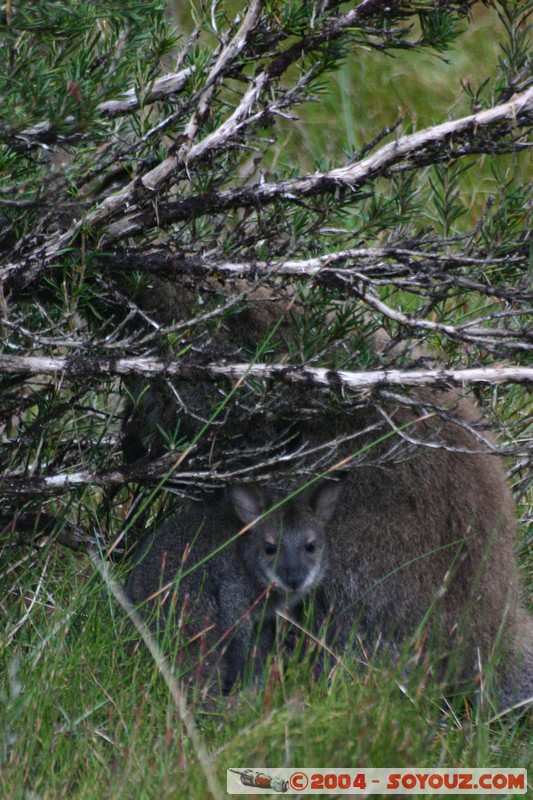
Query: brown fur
point(433, 531)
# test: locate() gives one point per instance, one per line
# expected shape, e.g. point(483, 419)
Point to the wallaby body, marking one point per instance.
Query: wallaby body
point(429, 539)
point(423, 539)
point(227, 605)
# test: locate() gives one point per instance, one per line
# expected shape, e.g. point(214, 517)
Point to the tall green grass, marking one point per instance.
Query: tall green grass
point(84, 714)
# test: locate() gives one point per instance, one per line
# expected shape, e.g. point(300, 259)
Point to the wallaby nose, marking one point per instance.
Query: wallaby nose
point(293, 581)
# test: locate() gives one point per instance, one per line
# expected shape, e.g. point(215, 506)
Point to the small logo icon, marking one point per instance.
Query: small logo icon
point(261, 781)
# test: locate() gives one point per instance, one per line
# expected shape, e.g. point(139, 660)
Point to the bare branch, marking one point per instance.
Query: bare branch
point(75, 366)
point(156, 260)
point(162, 88)
point(466, 332)
point(513, 114)
point(404, 267)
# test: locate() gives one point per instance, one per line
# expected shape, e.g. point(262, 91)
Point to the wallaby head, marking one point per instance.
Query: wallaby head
point(285, 548)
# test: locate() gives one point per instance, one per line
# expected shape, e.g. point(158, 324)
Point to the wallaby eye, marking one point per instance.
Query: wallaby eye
point(310, 547)
point(270, 549)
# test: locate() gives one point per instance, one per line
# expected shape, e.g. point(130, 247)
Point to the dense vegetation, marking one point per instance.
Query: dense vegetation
point(212, 215)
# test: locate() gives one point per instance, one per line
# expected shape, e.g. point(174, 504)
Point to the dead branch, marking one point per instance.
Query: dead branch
point(515, 113)
point(509, 116)
point(102, 366)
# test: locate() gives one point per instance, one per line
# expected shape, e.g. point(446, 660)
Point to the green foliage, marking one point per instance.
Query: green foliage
point(58, 63)
point(515, 59)
point(440, 28)
point(100, 262)
point(446, 196)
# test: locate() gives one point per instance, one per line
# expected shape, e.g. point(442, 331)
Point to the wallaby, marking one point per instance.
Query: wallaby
point(428, 539)
point(426, 536)
point(421, 540)
point(232, 598)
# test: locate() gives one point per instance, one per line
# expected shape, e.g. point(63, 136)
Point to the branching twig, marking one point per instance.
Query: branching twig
point(353, 176)
point(509, 116)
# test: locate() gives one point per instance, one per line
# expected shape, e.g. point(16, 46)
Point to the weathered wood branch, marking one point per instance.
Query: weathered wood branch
point(101, 366)
point(244, 114)
point(511, 115)
point(517, 111)
point(391, 264)
point(162, 88)
point(224, 61)
point(156, 260)
point(467, 332)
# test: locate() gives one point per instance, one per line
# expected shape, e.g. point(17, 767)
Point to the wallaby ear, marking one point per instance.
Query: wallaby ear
point(324, 499)
point(248, 501)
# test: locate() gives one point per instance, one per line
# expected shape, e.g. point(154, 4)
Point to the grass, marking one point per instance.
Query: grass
point(83, 718)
